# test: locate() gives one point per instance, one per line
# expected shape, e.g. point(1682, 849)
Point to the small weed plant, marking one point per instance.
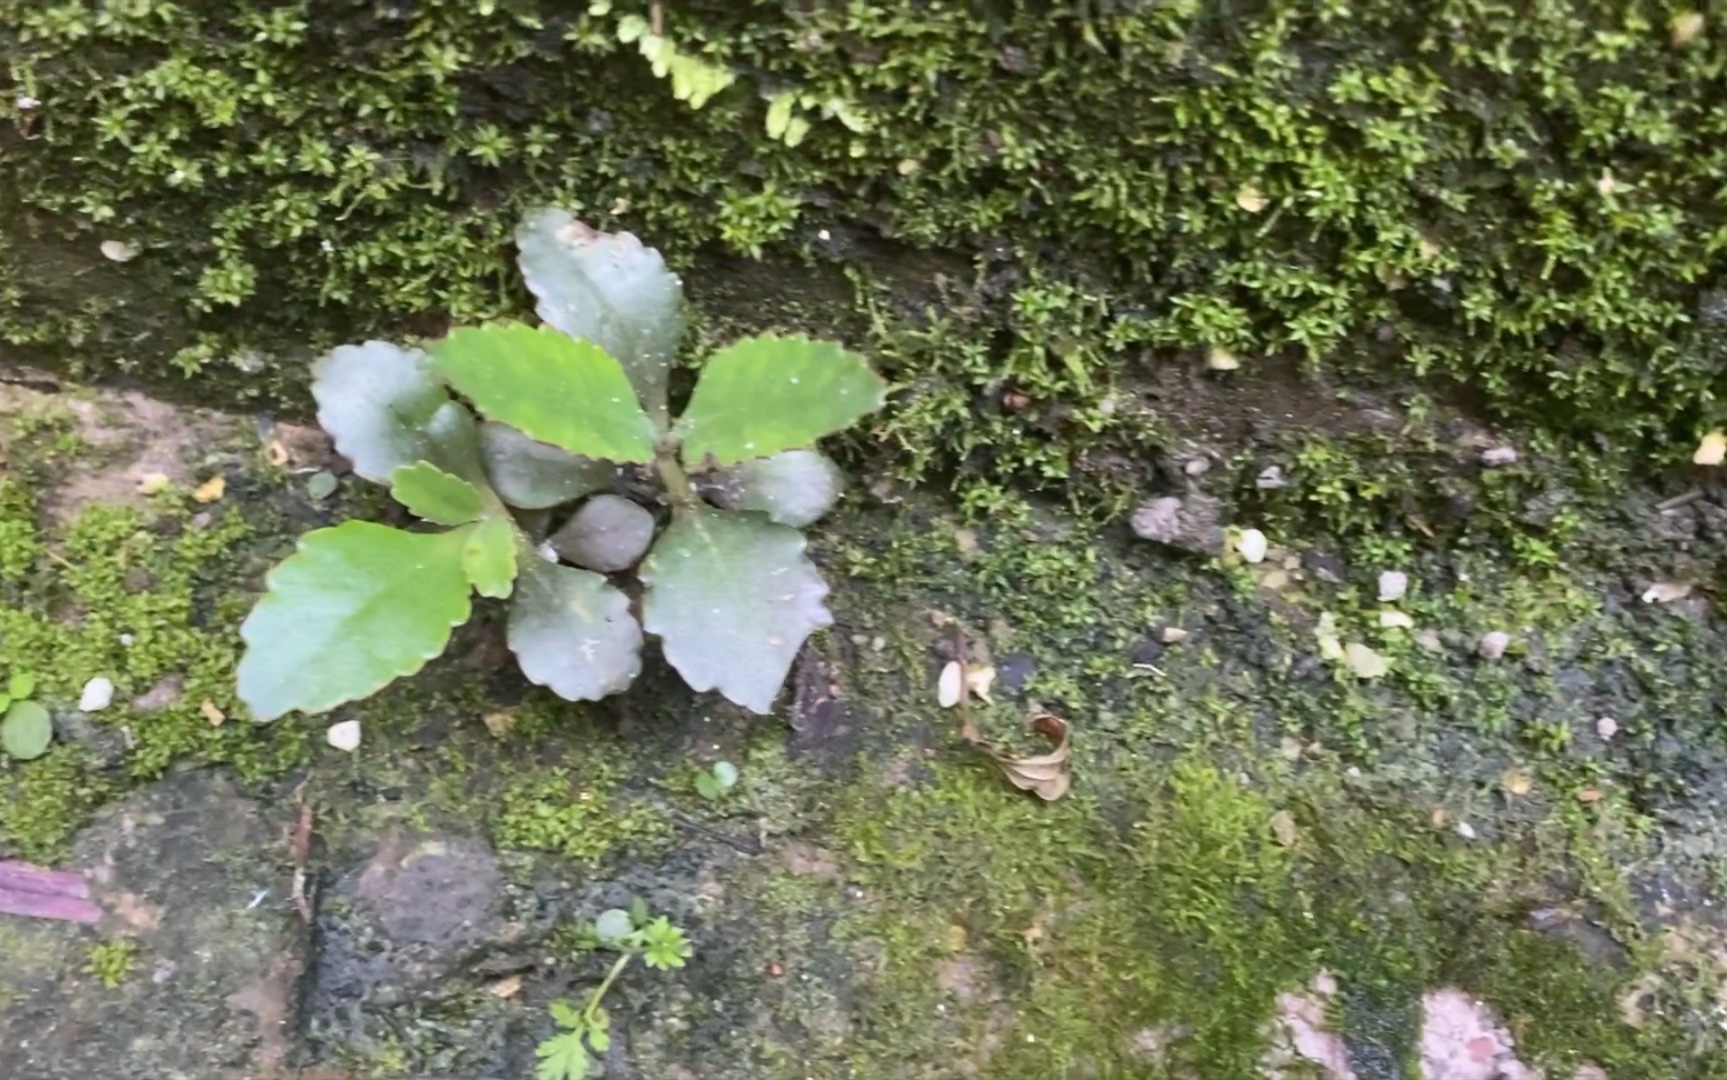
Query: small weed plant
point(660, 945)
point(26, 728)
point(573, 479)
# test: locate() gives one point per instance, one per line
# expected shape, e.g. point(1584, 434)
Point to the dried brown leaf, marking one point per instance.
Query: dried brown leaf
point(1048, 776)
point(210, 490)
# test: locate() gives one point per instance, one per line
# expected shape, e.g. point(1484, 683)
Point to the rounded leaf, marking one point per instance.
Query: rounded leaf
point(733, 598)
point(374, 400)
point(767, 394)
point(793, 488)
point(354, 608)
point(26, 731)
point(533, 475)
point(609, 289)
point(21, 685)
point(572, 632)
point(489, 557)
point(608, 533)
point(431, 493)
point(614, 925)
point(549, 386)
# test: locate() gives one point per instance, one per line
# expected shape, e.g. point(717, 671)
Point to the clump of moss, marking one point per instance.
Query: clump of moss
point(1362, 191)
point(110, 962)
point(580, 817)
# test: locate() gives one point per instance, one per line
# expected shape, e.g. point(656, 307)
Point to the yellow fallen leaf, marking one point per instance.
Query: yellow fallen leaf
point(210, 490)
point(1712, 450)
point(1516, 782)
point(153, 483)
point(506, 988)
point(500, 723)
point(212, 713)
point(978, 679)
point(1283, 828)
point(1251, 199)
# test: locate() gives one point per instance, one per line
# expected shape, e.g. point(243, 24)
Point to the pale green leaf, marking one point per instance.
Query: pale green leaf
point(26, 731)
point(733, 598)
point(354, 608)
point(489, 557)
point(431, 493)
point(607, 533)
point(614, 925)
point(767, 394)
point(375, 400)
point(572, 632)
point(609, 289)
point(534, 475)
point(562, 1057)
point(566, 1014)
point(21, 685)
point(794, 488)
point(549, 386)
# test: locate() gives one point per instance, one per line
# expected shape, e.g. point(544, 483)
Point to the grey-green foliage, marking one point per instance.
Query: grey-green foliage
point(576, 423)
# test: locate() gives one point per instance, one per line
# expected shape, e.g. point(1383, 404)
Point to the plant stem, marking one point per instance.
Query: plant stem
point(599, 993)
point(677, 484)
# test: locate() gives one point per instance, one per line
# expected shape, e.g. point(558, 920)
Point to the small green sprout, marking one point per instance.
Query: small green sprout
point(712, 784)
point(26, 729)
point(661, 946)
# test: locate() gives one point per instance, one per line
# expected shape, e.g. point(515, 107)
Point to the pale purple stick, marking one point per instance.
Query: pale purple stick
point(45, 894)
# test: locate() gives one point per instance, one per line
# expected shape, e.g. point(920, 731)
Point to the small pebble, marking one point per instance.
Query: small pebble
point(1396, 620)
point(1392, 585)
point(344, 735)
point(1466, 830)
point(1498, 456)
point(1197, 466)
point(1252, 545)
point(1493, 644)
point(1429, 640)
point(1173, 635)
point(98, 695)
point(1606, 727)
point(1270, 478)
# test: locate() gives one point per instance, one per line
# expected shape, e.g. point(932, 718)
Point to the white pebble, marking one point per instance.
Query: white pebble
point(1396, 620)
point(1499, 456)
point(1493, 644)
point(1466, 830)
point(98, 695)
point(344, 735)
point(1392, 585)
point(1252, 545)
point(1606, 727)
point(952, 685)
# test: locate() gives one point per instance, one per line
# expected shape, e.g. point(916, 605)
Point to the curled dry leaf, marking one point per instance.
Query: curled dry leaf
point(978, 679)
point(1048, 776)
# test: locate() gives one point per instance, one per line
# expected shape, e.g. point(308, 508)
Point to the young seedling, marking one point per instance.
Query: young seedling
point(542, 501)
point(26, 728)
point(712, 784)
point(660, 945)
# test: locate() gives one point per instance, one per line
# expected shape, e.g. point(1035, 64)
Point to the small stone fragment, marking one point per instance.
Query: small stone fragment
point(165, 693)
point(951, 686)
point(1466, 830)
point(1251, 199)
point(1190, 524)
point(1429, 640)
point(1218, 358)
point(1252, 545)
point(1498, 456)
point(1173, 635)
point(118, 251)
point(1196, 466)
point(1284, 829)
point(1665, 592)
point(1270, 478)
point(153, 483)
point(213, 713)
point(98, 695)
point(1396, 620)
point(1364, 662)
point(1712, 450)
point(1393, 584)
point(1516, 782)
point(1606, 727)
point(344, 735)
point(1493, 644)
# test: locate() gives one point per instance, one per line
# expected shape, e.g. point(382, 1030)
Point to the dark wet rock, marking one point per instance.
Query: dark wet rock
point(419, 910)
point(1191, 523)
point(1013, 670)
point(822, 722)
point(192, 874)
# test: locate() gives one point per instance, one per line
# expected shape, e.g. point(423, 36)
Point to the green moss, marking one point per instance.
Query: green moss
point(110, 962)
point(578, 814)
point(1517, 202)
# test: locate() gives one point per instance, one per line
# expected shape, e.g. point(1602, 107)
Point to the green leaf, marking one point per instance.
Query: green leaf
point(794, 488)
point(614, 925)
point(535, 475)
point(562, 1057)
point(565, 1014)
point(733, 598)
point(608, 289)
point(489, 557)
point(607, 533)
point(26, 731)
point(354, 608)
point(726, 775)
point(21, 685)
point(573, 633)
point(375, 400)
point(549, 386)
point(707, 787)
point(767, 394)
point(431, 493)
